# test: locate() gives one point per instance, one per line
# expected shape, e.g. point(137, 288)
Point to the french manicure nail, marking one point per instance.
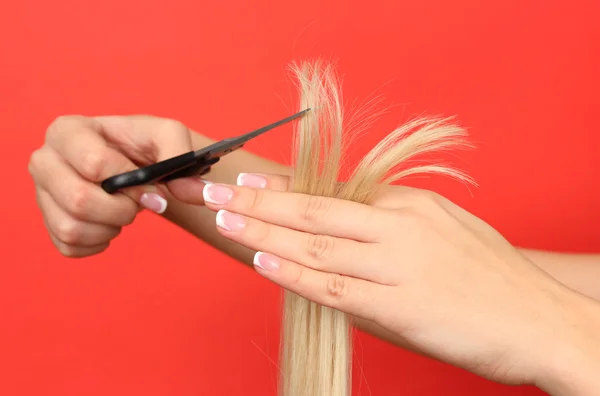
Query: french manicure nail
point(217, 194)
point(207, 182)
point(153, 202)
point(230, 221)
point(251, 180)
point(266, 261)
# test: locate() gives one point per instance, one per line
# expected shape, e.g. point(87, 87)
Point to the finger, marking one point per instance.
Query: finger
point(147, 140)
point(262, 180)
point(79, 198)
point(266, 180)
point(314, 214)
point(71, 250)
point(80, 142)
point(71, 231)
point(188, 190)
point(320, 252)
point(77, 251)
point(354, 296)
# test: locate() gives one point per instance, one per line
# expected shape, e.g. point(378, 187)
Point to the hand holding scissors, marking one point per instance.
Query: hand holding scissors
point(85, 161)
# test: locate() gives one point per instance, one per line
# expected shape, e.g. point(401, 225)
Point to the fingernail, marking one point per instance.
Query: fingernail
point(266, 262)
point(207, 182)
point(153, 202)
point(251, 180)
point(230, 221)
point(217, 194)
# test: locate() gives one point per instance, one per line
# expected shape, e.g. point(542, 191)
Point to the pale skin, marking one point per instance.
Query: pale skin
point(412, 268)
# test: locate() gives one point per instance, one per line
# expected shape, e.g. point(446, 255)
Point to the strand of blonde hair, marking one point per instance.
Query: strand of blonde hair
point(316, 343)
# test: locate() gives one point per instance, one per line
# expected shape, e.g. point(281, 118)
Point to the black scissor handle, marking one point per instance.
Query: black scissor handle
point(151, 173)
point(201, 167)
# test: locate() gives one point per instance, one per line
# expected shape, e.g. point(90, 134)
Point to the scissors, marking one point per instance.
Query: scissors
point(188, 164)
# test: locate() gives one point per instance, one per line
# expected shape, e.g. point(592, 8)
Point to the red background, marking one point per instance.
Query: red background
point(161, 313)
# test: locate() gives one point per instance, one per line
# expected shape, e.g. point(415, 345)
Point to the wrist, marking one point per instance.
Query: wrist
point(573, 362)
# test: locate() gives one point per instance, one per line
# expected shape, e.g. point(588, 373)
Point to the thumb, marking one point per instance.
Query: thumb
point(147, 140)
point(171, 138)
point(188, 190)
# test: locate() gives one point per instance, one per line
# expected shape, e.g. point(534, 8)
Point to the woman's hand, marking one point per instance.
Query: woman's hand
point(80, 152)
point(428, 273)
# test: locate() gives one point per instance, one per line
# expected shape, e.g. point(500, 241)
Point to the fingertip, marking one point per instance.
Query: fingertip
point(255, 261)
point(252, 180)
point(260, 180)
point(154, 202)
point(220, 221)
point(240, 179)
point(266, 262)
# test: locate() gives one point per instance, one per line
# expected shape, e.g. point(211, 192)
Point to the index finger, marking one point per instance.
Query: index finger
point(79, 141)
point(149, 139)
point(308, 213)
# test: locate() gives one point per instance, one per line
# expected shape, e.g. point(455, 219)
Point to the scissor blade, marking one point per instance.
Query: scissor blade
point(227, 145)
point(251, 135)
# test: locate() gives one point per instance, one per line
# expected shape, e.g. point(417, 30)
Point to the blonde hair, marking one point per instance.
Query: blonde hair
point(316, 343)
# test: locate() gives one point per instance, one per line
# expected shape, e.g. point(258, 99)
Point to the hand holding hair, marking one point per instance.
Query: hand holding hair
point(425, 273)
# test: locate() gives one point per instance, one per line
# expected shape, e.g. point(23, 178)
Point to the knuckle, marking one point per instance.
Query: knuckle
point(337, 286)
point(408, 219)
point(258, 231)
point(298, 277)
point(255, 199)
point(68, 231)
point(416, 195)
point(60, 125)
point(427, 198)
point(171, 125)
point(66, 250)
point(423, 200)
point(92, 166)
point(55, 126)
point(314, 208)
point(62, 120)
point(434, 198)
point(35, 161)
point(77, 200)
point(320, 247)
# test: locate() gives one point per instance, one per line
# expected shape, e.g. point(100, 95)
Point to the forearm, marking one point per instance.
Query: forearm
point(200, 221)
point(572, 363)
point(580, 272)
